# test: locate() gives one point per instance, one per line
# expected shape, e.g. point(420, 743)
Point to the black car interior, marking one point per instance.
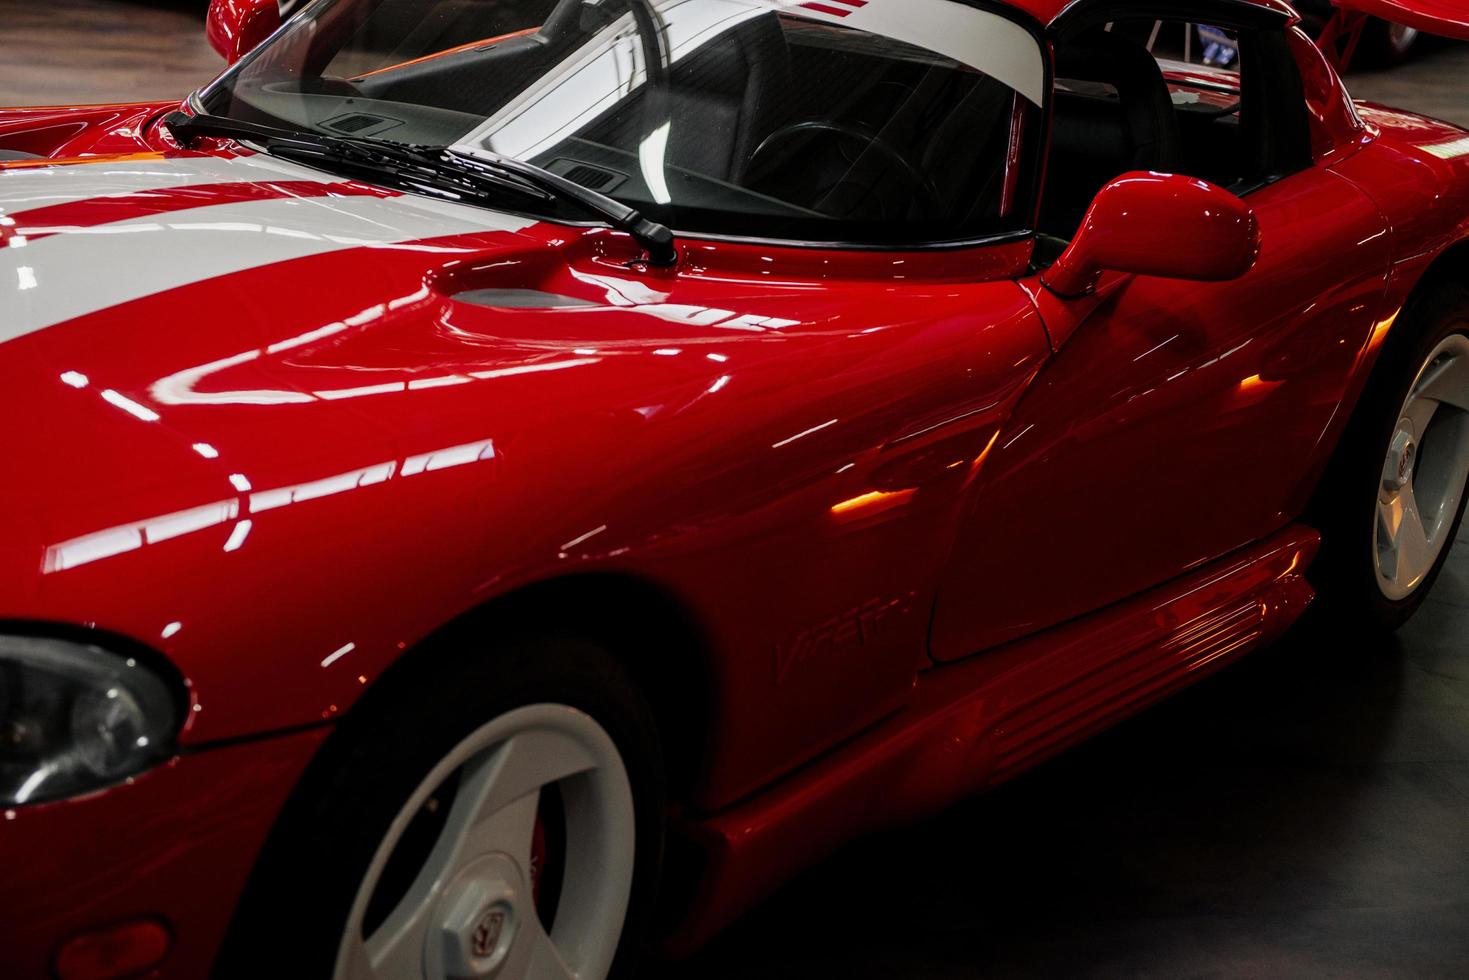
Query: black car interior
point(1123, 120)
point(793, 119)
point(779, 126)
point(828, 120)
point(1116, 111)
point(725, 98)
point(881, 138)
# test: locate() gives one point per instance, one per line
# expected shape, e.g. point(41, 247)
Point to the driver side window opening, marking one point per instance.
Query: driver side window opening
point(1219, 104)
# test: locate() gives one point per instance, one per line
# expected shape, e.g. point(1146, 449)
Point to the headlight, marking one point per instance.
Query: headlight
point(75, 718)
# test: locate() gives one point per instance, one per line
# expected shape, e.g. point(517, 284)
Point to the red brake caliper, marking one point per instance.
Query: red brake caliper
point(537, 858)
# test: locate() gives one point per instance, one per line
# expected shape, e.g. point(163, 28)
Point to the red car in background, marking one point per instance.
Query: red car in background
point(1349, 34)
point(494, 493)
point(1380, 33)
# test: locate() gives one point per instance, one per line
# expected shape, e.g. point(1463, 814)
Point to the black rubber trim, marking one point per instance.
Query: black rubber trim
point(224, 743)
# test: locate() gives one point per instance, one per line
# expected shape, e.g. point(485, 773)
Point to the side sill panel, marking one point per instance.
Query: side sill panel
point(978, 723)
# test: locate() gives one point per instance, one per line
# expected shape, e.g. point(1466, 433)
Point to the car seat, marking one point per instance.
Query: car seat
point(1126, 121)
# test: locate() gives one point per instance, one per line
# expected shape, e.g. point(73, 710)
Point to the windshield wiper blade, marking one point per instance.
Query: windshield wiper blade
point(423, 162)
point(400, 159)
point(654, 236)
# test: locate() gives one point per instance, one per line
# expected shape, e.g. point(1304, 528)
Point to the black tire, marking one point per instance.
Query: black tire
point(1344, 510)
point(1386, 45)
point(291, 919)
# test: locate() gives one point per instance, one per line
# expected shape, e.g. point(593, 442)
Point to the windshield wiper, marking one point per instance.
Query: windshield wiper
point(400, 159)
point(654, 236)
point(437, 169)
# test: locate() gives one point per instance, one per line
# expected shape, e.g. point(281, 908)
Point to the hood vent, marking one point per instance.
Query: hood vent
point(519, 299)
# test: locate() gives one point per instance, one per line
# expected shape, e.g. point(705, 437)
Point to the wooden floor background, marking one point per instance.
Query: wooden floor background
point(61, 52)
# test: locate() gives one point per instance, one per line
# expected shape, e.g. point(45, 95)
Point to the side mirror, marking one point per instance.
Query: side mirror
point(236, 27)
point(1159, 225)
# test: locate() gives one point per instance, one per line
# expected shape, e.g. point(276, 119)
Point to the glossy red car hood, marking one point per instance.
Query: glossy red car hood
point(166, 318)
point(257, 400)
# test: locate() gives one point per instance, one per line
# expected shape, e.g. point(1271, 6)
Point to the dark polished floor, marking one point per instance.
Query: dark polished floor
point(1304, 813)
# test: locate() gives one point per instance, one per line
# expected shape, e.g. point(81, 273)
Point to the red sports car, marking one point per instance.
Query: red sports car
point(495, 487)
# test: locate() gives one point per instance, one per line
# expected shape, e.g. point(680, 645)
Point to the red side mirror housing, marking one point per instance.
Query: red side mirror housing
point(236, 27)
point(1160, 225)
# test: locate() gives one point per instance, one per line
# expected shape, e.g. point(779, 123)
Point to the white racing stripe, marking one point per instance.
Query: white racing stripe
point(28, 188)
point(995, 45)
point(83, 270)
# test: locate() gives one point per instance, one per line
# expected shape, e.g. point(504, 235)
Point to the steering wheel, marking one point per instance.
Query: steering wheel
point(926, 194)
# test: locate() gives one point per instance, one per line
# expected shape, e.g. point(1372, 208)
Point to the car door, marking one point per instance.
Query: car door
point(1178, 421)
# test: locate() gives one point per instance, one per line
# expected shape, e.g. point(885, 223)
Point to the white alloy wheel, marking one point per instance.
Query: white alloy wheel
point(470, 911)
point(1401, 38)
point(1424, 476)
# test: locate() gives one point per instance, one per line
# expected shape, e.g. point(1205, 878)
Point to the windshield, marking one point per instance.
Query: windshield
point(881, 122)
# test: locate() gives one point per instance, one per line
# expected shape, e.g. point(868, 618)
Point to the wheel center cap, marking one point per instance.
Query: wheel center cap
point(1400, 462)
point(489, 929)
point(478, 920)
